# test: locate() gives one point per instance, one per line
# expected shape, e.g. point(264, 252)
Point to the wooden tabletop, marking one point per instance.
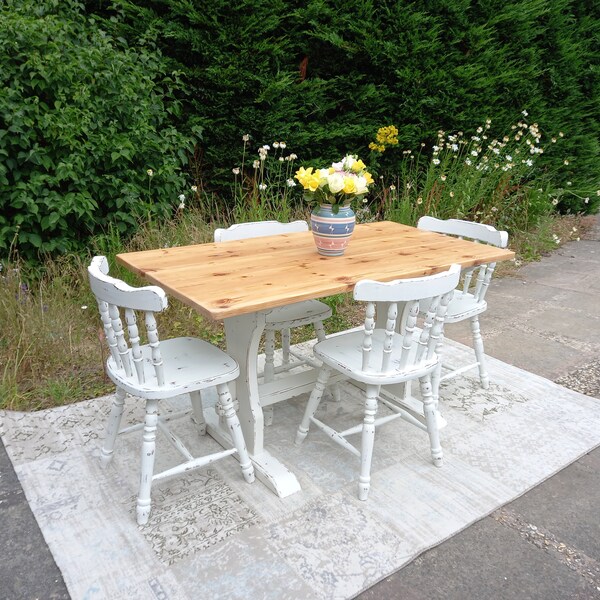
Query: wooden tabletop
point(232, 278)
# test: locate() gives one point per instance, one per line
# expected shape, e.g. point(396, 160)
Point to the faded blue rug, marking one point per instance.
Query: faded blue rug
point(211, 535)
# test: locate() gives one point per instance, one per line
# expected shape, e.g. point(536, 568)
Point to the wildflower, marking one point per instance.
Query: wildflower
point(275, 145)
point(291, 183)
point(256, 164)
point(574, 229)
point(194, 188)
point(181, 197)
point(494, 209)
point(473, 152)
point(181, 206)
point(293, 156)
point(262, 186)
point(479, 129)
point(236, 171)
point(524, 113)
point(586, 201)
point(488, 121)
point(84, 307)
point(508, 157)
point(451, 194)
point(281, 159)
point(468, 162)
point(528, 162)
point(554, 201)
point(282, 145)
point(443, 177)
point(266, 147)
point(569, 183)
point(246, 137)
point(150, 173)
point(392, 188)
point(419, 200)
point(597, 192)
point(408, 185)
point(561, 134)
point(566, 162)
point(436, 161)
point(454, 147)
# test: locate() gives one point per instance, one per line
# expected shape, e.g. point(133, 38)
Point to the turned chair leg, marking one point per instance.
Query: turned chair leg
point(313, 404)
point(436, 376)
point(148, 454)
point(112, 427)
point(285, 346)
point(431, 421)
point(235, 429)
point(479, 352)
point(367, 441)
point(198, 411)
point(321, 335)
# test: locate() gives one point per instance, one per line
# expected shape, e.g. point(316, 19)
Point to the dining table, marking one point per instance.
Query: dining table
point(239, 282)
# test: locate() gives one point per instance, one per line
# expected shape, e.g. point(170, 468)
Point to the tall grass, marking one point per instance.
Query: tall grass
point(51, 346)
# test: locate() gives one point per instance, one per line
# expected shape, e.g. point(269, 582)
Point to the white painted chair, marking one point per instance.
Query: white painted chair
point(381, 356)
point(156, 371)
point(282, 318)
point(469, 301)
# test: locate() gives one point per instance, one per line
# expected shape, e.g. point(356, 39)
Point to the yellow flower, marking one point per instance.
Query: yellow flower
point(368, 177)
point(349, 185)
point(359, 165)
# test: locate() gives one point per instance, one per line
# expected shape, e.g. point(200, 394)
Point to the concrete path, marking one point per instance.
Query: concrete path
point(545, 545)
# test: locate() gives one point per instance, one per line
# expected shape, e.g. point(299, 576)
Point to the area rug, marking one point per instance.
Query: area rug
point(211, 535)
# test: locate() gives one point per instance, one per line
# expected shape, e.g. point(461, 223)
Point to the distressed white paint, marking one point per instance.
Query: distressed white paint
point(469, 301)
point(283, 318)
point(156, 371)
point(398, 352)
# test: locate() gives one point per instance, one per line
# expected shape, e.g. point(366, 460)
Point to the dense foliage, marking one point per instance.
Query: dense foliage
point(83, 117)
point(326, 79)
point(97, 95)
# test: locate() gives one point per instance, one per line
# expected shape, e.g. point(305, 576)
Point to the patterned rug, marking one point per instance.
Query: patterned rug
point(211, 535)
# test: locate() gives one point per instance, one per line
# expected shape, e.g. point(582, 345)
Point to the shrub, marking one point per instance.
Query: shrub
point(326, 79)
point(84, 118)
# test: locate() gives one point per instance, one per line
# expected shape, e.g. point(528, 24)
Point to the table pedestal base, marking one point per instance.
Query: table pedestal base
point(267, 468)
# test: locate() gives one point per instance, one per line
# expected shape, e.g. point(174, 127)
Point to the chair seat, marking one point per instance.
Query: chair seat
point(344, 353)
point(463, 306)
point(190, 364)
point(297, 314)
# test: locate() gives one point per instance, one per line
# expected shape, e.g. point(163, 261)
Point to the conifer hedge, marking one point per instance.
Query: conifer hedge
point(324, 75)
point(97, 94)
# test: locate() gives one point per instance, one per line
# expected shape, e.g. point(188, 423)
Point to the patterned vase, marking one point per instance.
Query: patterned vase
point(331, 231)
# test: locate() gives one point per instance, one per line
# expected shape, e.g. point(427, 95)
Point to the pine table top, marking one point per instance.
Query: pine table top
point(227, 279)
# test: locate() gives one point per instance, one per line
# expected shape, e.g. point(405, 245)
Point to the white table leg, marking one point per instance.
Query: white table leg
point(243, 335)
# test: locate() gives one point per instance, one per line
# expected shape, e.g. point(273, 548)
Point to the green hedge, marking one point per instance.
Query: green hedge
point(94, 95)
point(83, 117)
point(443, 64)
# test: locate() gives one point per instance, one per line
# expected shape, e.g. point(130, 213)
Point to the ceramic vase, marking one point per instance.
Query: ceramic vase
point(332, 231)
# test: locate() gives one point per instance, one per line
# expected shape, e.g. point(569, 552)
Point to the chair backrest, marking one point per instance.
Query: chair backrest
point(417, 346)
point(242, 231)
point(114, 296)
point(476, 280)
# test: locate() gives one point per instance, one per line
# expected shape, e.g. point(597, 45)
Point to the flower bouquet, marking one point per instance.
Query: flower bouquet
point(339, 185)
point(333, 190)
